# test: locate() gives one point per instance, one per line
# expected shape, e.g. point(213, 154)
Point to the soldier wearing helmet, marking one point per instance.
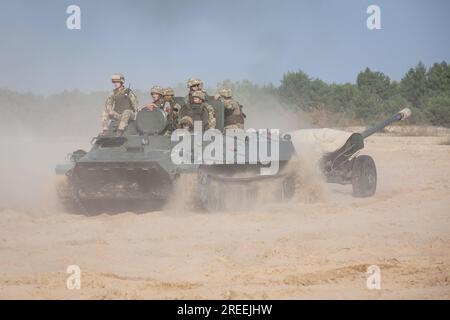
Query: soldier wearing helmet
point(234, 117)
point(158, 101)
point(171, 107)
point(121, 106)
point(169, 101)
point(198, 110)
point(194, 84)
point(186, 123)
point(157, 98)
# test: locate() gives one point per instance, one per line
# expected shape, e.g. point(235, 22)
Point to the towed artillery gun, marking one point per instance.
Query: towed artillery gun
point(339, 161)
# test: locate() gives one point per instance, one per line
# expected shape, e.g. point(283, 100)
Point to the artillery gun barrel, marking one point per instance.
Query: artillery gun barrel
point(401, 115)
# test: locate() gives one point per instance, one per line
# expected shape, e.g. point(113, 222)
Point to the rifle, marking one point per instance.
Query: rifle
point(127, 91)
point(242, 112)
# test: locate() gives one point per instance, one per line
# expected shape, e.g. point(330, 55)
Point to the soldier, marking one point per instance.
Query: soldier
point(157, 96)
point(194, 84)
point(169, 101)
point(158, 101)
point(171, 107)
point(120, 106)
point(186, 123)
point(198, 110)
point(234, 117)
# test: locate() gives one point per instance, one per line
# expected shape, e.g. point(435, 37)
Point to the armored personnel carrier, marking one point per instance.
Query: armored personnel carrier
point(137, 167)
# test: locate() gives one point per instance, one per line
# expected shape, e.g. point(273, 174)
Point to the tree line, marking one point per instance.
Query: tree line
point(373, 96)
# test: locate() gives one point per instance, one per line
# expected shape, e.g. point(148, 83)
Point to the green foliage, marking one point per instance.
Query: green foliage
point(307, 94)
point(374, 83)
point(373, 96)
point(438, 78)
point(367, 105)
point(438, 109)
point(414, 84)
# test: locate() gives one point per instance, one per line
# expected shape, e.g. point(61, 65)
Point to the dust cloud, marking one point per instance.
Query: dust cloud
point(266, 111)
point(316, 245)
point(32, 149)
point(263, 111)
point(27, 170)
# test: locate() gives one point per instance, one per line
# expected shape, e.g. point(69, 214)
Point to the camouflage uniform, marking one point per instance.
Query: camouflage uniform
point(122, 105)
point(161, 104)
point(186, 123)
point(193, 82)
point(234, 117)
point(171, 107)
point(198, 112)
point(188, 100)
point(158, 90)
point(211, 116)
point(188, 97)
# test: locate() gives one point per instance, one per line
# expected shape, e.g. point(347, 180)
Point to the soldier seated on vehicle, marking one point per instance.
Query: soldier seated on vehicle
point(234, 117)
point(169, 100)
point(156, 93)
point(199, 110)
point(194, 84)
point(171, 107)
point(122, 106)
point(186, 123)
point(160, 100)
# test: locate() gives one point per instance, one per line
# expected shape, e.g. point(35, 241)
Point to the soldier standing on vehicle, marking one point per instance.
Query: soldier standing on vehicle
point(234, 117)
point(122, 105)
point(198, 110)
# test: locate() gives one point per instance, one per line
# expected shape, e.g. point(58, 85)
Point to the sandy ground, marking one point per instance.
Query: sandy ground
point(281, 251)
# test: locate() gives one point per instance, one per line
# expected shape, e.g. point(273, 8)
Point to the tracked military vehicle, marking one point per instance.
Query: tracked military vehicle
point(136, 168)
point(121, 171)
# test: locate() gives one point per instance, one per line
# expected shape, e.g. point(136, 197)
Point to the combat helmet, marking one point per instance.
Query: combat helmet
point(118, 77)
point(168, 92)
point(193, 82)
point(226, 93)
point(156, 89)
point(186, 121)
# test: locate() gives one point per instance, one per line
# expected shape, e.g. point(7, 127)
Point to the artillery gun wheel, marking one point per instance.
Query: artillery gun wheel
point(364, 177)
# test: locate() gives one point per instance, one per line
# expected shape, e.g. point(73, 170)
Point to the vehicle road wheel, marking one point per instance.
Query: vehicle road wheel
point(364, 177)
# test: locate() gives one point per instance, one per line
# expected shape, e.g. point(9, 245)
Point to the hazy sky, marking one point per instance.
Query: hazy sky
point(166, 42)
